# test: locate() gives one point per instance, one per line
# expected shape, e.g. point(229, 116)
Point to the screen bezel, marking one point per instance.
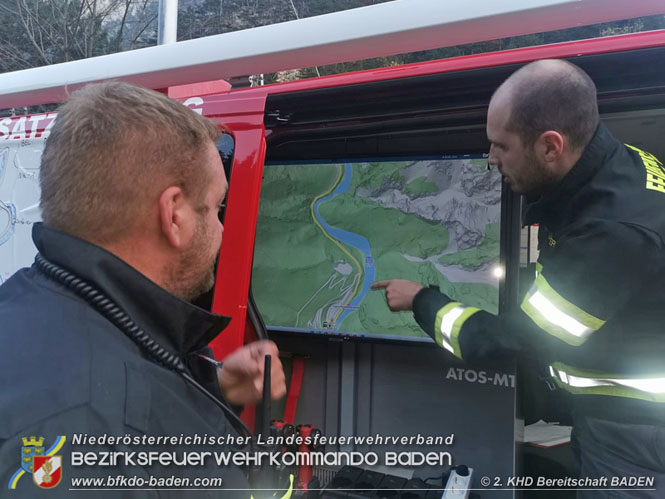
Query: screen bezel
point(507, 203)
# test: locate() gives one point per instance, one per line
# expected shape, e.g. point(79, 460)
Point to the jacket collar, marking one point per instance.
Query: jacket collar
point(545, 208)
point(165, 317)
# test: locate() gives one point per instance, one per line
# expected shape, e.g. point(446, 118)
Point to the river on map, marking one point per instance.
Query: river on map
point(350, 239)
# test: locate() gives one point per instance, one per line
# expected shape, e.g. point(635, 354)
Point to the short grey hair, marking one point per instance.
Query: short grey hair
point(113, 149)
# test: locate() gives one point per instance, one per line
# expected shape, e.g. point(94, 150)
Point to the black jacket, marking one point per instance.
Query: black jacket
point(597, 307)
point(67, 370)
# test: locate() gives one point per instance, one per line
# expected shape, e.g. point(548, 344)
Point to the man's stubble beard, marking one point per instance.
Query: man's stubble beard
point(187, 280)
point(540, 181)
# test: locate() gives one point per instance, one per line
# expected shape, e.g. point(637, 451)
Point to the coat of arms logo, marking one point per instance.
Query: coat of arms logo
point(48, 471)
point(43, 464)
point(31, 447)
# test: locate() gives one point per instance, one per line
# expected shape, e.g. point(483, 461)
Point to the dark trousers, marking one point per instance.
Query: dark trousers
point(620, 451)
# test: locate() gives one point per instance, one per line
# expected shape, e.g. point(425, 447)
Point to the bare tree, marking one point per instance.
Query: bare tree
point(39, 32)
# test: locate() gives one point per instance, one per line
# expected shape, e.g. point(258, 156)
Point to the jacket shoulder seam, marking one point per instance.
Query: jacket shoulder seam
point(50, 416)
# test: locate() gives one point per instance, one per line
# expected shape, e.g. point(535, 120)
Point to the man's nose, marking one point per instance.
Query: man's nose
point(492, 160)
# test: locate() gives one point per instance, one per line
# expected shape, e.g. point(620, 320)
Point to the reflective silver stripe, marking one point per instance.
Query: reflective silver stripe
point(649, 385)
point(557, 317)
point(447, 325)
point(655, 386)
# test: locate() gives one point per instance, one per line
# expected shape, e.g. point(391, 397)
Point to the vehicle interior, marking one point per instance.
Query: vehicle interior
point(359, 386)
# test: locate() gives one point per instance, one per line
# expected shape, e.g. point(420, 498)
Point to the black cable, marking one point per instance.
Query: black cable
point(226, 409)
point(122, 321)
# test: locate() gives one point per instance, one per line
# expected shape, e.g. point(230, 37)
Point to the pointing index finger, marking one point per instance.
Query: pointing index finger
point(380, 285)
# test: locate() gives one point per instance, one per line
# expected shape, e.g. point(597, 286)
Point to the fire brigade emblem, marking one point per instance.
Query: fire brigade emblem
point(31, 447)
point(43, 464)
point(48, 471)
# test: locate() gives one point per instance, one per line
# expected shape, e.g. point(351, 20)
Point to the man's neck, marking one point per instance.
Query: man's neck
point(142, 255)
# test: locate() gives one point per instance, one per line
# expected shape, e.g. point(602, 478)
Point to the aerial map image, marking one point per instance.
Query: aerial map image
point(327, 231)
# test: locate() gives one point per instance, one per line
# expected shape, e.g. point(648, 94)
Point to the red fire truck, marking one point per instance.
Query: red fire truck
point(403, 138)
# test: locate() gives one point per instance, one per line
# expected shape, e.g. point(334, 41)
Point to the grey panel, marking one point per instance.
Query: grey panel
point(404, 390)
point(415, 391)
point(332, 387)
point(347, 399)
point(364, 389)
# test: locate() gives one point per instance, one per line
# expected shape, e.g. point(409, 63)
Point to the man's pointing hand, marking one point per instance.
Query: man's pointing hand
point(399, 293)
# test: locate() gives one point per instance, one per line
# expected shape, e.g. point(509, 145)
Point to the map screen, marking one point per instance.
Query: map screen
point(326, 231)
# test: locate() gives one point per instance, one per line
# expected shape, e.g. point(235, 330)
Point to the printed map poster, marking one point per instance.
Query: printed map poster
point(19, 203)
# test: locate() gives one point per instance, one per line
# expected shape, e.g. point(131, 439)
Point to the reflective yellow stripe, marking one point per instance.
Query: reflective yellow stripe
point(437, 325)
point(539, 268)
point(448, 324)
point(556, 315)
point(582, 382)
point(290, 491)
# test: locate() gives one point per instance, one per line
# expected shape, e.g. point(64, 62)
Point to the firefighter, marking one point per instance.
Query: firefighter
point(102, 340)
point(596, 310)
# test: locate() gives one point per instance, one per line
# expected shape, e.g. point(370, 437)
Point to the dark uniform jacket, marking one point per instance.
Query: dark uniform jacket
point(67, 370)
point(595, 314)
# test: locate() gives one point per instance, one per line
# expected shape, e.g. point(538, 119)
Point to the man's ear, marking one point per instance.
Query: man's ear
point(550, 145)
point(173, 216)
